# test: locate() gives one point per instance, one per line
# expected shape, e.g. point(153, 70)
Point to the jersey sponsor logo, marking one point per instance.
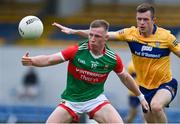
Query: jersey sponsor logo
point(140, 49)
point(86, 75)
point(146, 48)
point(149, 55)
point(81, 61)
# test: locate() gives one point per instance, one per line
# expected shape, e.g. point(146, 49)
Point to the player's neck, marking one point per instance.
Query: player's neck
point(145, 34)
point(97, 52)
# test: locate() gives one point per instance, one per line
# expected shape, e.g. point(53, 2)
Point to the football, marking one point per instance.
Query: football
point(30, 27)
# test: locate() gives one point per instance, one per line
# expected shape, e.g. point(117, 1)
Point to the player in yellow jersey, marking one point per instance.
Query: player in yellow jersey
point(150, 47)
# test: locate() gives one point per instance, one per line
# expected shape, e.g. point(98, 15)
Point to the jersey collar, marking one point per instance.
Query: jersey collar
point(154, 29)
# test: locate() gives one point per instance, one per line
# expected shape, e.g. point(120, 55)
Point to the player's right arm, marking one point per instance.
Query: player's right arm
point(52, 59)
point(42, 60)
point(113, 35)
point(83, 33)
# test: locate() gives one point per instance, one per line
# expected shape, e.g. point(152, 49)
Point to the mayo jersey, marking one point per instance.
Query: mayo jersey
point(87, 73)
point(150, 55)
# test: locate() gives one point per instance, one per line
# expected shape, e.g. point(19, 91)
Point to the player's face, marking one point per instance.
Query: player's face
point(97, 38)
point(145, 22)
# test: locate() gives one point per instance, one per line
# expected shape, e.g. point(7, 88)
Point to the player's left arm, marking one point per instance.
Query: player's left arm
point(125, 77)
point(177, 53)
point(129, 82)
point(174, 45)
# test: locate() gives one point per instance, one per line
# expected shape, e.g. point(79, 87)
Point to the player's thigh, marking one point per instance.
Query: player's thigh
point(59, 115)
point(162, 97)
point(107, 114)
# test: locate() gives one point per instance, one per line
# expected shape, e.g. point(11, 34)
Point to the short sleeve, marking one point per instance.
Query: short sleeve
point(126, 33)
point(119, 66)
point(120, 35)
point(69, 52)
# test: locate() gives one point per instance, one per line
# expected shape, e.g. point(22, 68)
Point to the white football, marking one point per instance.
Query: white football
point(30, 27)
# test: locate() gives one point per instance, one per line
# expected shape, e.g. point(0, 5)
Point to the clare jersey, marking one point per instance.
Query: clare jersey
point(87, 73)
point(150, 55)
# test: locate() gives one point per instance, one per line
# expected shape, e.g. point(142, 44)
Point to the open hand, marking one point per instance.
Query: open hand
point(145, 105)
point(63, 28)
point(26, 60)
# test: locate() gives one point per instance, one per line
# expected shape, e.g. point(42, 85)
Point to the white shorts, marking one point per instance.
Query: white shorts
point(90, 106)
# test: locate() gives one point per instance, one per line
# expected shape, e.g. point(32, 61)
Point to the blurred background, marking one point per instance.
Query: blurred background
point(30, 94)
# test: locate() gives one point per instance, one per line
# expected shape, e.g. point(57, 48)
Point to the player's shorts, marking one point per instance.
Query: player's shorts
point(171, 86)
point(90, 107)
point(134, 101)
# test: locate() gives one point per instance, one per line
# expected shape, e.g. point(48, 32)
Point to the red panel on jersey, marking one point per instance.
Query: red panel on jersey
point(119, 66)
point(70, 52)
point(86, 75)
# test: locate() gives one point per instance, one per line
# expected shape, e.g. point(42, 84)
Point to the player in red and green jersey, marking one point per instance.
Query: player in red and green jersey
point(150, 46)
point(87, 71)
point(90, 62)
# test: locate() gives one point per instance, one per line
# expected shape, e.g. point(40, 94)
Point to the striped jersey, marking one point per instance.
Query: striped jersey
point(87, 73)
point(150, 55)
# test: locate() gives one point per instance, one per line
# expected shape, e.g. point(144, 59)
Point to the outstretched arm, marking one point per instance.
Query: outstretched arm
point(42, 60)
point(130, 83)
point(112, 35)
point(83, 33)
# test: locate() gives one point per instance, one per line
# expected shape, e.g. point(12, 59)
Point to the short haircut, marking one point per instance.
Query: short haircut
point(100, 23)
point(144, 7)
